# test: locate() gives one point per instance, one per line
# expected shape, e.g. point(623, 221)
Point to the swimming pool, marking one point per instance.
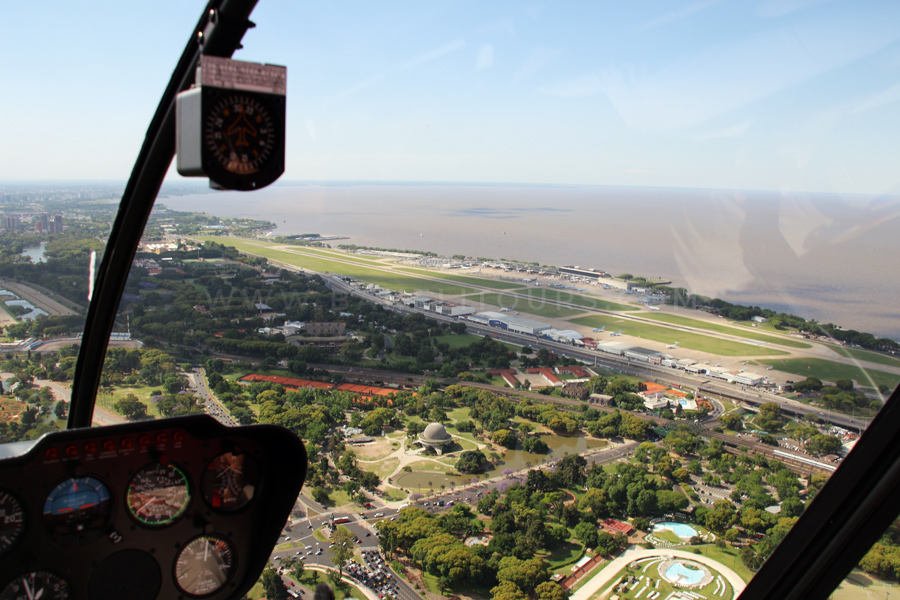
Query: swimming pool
point(684, 574)
point(680, 529)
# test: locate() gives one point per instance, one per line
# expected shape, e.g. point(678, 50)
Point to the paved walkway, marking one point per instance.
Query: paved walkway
point(606, 575)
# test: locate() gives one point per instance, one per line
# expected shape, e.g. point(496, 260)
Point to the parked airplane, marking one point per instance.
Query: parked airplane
point(672, 345)
point(651, 307)
point(507, 308)
point(619, 332)
point(599, 329)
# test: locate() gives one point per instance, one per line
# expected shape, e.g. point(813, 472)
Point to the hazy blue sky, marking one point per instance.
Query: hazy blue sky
point(770, 94)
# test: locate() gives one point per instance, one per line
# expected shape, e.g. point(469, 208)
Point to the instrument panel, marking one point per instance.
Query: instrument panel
point(173, 508)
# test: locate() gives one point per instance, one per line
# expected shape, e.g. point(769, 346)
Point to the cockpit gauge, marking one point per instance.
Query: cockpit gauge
point(36, 585)
point(204, 565)
point(230, 481)
point(77, 509)
point(158, 494)
point(239, 132)
point(231, 125)
point(12, 521)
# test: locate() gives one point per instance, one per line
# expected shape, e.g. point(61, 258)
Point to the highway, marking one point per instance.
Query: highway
point(658, 373)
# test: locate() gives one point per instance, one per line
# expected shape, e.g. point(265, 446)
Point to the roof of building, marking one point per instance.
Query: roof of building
point(435, 432)
point(508, 318)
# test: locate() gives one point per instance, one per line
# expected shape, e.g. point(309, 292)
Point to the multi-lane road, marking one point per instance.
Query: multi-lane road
point(749, 395)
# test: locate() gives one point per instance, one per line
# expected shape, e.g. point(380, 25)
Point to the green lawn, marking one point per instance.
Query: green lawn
point(558, 295)
point(384, 278)
point(460, 414)
point(382, 468)
point(564, 555)
point(830, 371)
point(866, 355)
point(458, 340)
point(108, 401)
point(728, 556)
point(336, 254)
point(479, 281)
point(532, 307)
point(691, 341)
point(747, 333)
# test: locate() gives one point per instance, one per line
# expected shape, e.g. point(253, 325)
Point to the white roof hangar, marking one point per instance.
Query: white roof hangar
point(510, 322)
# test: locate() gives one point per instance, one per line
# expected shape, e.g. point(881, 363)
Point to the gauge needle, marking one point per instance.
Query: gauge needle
point(205, 551)
point(29, 591)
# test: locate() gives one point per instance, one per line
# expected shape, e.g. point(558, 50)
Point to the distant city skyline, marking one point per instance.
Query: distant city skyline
point(772, 95)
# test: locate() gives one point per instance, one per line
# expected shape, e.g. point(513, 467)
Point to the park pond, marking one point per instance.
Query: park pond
point(35, 253)
point(513, 460)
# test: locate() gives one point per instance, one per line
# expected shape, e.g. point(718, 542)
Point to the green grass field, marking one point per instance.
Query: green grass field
point(747, 333)
point(460, 414)
point(579, 300)
point(459, 340)
point(692, 341)
point(336, 254)
point(564, 555)
point(866, 355)
point(384, 278)
point(729, 557)
point(480, 281)
point(830, 371)
point(382, 468)
point(531, 307)
point(108, 401)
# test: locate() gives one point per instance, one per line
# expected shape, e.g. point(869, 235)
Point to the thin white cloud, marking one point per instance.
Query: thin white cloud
point(779, 8)
point(728, 132)
point(310, 129)
point(676, 15)
point(505, 25)
point(355, 89)
point(434, 54)
point(485, 57)
point(539, 58)
point(888, 96)
point(578, 87)
point(698, 88)
point(534, 11)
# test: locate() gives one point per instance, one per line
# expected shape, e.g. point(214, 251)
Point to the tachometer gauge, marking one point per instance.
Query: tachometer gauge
point(12, 521)
point(230, 481)
point(204, 565)
point(77, 506)
point(38, 584)
point(158, 494)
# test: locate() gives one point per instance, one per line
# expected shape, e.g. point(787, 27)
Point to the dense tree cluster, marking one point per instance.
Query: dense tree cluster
point(883, 559)
point(618, 424)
